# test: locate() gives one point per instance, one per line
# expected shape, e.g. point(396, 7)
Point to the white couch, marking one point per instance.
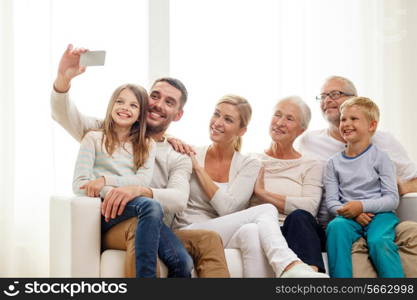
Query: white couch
point(75, 239)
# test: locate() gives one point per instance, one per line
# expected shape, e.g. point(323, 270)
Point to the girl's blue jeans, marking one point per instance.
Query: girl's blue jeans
point(153, 239)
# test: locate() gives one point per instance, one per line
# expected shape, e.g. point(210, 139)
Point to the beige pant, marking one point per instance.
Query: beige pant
point(205, 247)
point(406, 240)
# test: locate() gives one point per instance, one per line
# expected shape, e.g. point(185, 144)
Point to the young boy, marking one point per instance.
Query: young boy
point(361, 191)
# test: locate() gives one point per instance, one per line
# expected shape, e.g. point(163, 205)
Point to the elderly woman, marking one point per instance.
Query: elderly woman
point(292, 182)
point(220, 189)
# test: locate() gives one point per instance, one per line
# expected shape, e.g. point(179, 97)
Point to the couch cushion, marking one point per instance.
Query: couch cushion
point(234, 262)
point(326, 262)
point(112, 264)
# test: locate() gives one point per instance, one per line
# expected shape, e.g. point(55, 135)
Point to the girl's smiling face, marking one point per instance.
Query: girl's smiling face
point(126, 109)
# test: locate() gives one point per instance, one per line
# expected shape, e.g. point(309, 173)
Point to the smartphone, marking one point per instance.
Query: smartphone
point(93, 58)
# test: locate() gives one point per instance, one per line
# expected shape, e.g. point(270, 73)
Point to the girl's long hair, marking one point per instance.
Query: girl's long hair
point(137, 136)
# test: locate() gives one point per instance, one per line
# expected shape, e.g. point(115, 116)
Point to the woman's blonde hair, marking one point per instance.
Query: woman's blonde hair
point(137, 136)
point(245, 113)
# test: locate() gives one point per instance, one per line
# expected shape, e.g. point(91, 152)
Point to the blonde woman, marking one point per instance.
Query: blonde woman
point(220, 188)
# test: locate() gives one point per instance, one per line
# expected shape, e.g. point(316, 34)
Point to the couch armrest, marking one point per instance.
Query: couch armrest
point(407, 209)
point(74, 236)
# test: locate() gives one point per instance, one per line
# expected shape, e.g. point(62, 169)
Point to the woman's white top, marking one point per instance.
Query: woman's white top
point(231, 197)
point(300, 180)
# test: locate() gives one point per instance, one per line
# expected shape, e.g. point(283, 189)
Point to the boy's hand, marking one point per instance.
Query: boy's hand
point(351, 209)
point(364, 218)
point(93, 187)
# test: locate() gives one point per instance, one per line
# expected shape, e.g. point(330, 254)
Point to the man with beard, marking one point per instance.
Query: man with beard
point(170, 182)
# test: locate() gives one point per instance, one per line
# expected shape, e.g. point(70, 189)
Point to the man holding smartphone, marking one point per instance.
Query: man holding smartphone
point(170, 183)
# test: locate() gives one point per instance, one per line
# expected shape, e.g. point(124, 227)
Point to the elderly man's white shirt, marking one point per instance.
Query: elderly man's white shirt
point(322, 146)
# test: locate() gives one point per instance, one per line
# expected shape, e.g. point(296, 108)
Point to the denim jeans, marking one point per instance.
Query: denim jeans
point(153, 238)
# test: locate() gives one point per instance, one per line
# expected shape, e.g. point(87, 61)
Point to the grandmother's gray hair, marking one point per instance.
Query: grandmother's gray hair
point(349, 87)
point(304, 108)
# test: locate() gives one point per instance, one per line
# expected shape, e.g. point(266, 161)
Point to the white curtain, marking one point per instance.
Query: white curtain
point(37, 156)
point(262, 49)
point(267, 49)
point(7, 133)
point(398, 65)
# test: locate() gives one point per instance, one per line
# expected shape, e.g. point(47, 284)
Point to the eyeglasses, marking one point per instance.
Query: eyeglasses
point(334, 95)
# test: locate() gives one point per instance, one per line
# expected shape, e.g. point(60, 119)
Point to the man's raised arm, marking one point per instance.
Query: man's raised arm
point(63, 110)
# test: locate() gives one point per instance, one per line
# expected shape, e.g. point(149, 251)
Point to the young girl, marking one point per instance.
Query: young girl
point(121, 154)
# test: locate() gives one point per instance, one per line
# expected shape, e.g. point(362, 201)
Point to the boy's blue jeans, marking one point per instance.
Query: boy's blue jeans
point(380, 236)
point(153, 238)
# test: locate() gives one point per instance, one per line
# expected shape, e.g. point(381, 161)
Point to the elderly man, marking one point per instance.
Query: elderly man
point(326, 142)
point(170, 182)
